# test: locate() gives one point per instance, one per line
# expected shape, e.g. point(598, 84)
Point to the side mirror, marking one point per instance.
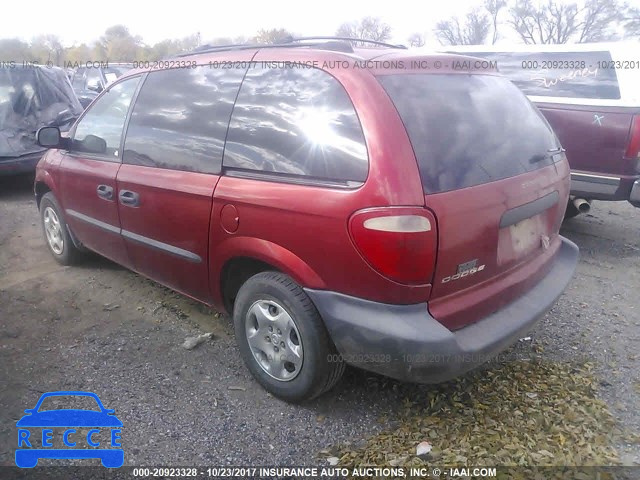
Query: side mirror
point(93, 84)
point(48, 137)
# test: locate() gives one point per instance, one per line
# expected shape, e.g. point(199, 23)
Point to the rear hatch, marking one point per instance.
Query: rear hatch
point(495, 179)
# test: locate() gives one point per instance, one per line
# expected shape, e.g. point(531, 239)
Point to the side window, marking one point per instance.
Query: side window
point(100, 129)
point(560, 74)
point(180, 119)
point(296, 122)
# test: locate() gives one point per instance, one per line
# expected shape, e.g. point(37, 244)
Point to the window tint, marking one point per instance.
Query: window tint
point(100, 130)
point(180, 119)
point(298, 122)
point(469, 129)
point(560, 74)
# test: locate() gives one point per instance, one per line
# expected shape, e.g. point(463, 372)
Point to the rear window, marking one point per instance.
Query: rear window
point(468, 130)
point(560, 74)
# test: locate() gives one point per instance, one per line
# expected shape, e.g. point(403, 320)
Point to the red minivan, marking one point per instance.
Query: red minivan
point(395, 212)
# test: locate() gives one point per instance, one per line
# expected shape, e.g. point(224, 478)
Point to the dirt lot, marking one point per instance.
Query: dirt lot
point(101, 328)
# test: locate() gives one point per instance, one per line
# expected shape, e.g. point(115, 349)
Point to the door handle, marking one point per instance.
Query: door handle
point(105, 191)
point(129, 198)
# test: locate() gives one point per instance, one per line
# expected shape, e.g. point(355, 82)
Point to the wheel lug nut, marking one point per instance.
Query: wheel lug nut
point(267, 338)
point(276, 349)
point(282, 344)
point(270, 328)
point(279, 332)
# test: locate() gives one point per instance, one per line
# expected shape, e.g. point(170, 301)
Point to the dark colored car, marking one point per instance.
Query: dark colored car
point(89, 81)
point(590, 95)
point(30, 98)
point(342, 206)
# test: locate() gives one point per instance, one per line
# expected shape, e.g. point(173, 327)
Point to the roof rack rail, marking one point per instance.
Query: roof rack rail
point(219, 48)
point(343, 44)
point(347, 39)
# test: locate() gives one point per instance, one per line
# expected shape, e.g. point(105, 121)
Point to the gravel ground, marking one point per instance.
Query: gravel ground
point(101, 328)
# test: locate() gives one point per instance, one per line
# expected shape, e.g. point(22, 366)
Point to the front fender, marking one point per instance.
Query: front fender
point(44, 175)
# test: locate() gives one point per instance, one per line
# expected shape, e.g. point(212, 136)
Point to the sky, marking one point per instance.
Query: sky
point(75, 22)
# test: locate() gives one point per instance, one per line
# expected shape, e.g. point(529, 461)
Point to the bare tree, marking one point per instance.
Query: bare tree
point(632, 22)
point(78, 54)
point(471, 30)
point(47, 48)
point(416, 40)
point(118, 44)
point(273, 35)
point(494, 7)
point(368, 28)
point(598, 19)
point(14, 49)
point(553, 22)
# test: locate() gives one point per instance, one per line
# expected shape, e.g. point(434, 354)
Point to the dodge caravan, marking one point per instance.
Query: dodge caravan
point(342, 205)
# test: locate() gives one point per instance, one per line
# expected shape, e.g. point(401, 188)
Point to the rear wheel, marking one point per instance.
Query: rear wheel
point(55, 231)
point(282, 339)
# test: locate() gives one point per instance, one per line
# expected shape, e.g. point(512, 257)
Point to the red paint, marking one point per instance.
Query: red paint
point(229, 218)
point(79, 178)
point(175, 208)
point(304, 230)
point(599, 148)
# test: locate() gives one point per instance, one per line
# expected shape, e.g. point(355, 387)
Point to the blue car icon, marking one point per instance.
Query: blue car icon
point(71, 419)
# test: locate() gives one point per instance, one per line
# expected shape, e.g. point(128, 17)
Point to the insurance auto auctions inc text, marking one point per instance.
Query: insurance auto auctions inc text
point(364, 472)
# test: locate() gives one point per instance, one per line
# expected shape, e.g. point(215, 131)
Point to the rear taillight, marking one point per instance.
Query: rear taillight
point(398, 242)
point(633, 147)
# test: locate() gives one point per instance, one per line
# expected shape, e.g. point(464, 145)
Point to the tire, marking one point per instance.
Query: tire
point(63, 249)
point(308, 364)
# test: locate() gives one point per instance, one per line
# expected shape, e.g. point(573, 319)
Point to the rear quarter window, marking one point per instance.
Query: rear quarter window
point(468, 130)
point(298, 123)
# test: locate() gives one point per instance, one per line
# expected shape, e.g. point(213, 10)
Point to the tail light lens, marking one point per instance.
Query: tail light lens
point(633, 147)
point(398, 242)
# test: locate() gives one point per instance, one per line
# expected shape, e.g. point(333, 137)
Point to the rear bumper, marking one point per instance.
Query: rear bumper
point(634, 196)
point(593, 186)
point(406, 343)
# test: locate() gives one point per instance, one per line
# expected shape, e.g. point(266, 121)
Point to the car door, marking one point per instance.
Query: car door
point(88, 173)
point(171, 165)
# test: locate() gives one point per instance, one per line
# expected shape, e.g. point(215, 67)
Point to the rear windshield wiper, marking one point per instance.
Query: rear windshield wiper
point(552, 152)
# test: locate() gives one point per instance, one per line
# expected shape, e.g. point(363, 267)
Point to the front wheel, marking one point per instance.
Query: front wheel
point(55, 231)
point(282, 339)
